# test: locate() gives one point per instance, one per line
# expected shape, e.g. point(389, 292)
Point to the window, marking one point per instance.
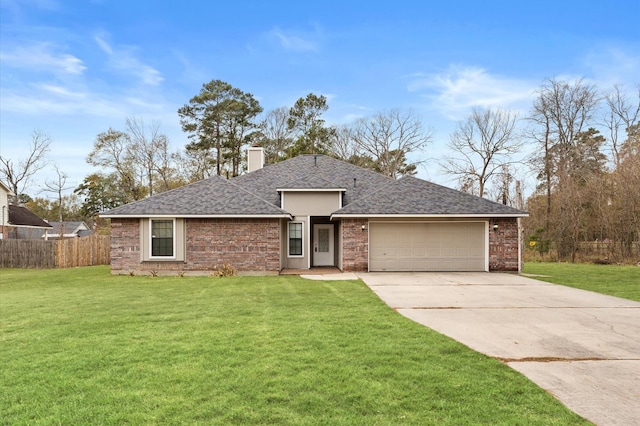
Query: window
point(295, 239)
point(162, 238)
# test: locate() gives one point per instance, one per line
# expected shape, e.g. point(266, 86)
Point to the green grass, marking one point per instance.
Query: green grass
point(614, 280)
point(79, 346)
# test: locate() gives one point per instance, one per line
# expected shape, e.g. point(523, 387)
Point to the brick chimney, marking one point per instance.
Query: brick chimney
point(255, 158)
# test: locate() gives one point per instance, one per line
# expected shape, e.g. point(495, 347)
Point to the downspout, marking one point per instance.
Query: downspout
point(3, 209)
point(520, 244)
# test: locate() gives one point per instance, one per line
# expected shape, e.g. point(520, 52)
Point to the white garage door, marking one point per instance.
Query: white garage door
point(435, 246)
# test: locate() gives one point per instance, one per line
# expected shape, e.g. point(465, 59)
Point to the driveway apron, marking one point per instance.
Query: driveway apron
point(582, 347)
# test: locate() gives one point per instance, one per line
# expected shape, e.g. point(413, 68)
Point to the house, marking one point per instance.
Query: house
point(309, 211)
point(16, 218)
point(68, 229)
point(5, 192)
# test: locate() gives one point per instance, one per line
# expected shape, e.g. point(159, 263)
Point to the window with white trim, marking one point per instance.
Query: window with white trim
point(162, 238)
point(295, 238)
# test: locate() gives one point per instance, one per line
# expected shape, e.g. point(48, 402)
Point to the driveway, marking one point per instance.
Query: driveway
point(582, 347)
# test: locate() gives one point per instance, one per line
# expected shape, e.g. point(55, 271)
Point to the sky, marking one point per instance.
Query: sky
point(73, 69)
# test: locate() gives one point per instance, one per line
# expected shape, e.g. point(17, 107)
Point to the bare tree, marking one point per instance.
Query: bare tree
point(149, 150)
point(111, 150)
point(389, 137)
point(18, 174)
point(561, 114)
point(275, 135)
point(623, 214)
point(504, 186)
point(483, 145)
point(58, 187)
point(621, 115)
point(342, 145)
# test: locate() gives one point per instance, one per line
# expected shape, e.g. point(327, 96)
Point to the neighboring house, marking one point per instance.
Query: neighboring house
point(17, 218)
point(67, 229)
point(5, 192)
point(311, 211)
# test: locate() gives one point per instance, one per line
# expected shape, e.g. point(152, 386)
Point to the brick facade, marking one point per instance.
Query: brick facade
point(248, 245)
point(503, 245)
point(125, 245)
point(253, 245)
point(355, 245)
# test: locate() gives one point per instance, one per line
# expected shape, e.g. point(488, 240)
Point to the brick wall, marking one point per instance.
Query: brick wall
point(125, 245)
point(253, 245)
point(248, 245)
point(355, 245)
point(503, 245)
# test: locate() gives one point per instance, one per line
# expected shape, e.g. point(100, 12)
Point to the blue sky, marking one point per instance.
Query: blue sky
point(75, 68)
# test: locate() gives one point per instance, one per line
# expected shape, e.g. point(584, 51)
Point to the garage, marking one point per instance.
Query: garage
point(427, 246)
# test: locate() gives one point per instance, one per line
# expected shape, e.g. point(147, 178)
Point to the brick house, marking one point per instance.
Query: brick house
point(311, 211)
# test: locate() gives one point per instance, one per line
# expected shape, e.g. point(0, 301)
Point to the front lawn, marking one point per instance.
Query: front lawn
point(614, 280)
point(79, 346)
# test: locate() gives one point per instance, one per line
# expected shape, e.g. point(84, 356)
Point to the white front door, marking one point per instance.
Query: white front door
point(323, 245)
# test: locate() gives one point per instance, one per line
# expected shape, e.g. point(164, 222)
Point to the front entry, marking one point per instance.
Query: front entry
point(323, 245)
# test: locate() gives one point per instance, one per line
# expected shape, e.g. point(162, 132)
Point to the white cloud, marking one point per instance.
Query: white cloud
point(104, 45)
point(61, 91)
point(43, 57)
point(124, 60)
point(614, 65)
point(456, 90)
point(293, 42)
point(17, 7)
point(59, 102)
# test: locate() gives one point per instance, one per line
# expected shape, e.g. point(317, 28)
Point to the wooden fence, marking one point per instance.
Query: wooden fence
point(66, 253)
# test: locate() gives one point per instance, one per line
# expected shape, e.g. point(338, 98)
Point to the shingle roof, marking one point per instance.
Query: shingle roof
point(78, 228)
point(72, 227)
point(356, 180)
point(21, 216)
point(215, 196)
point(311, 181)
point(412, 196)
point(365, 193)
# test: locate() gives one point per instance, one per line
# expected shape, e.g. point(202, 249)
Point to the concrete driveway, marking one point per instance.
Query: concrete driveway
point(582, 347)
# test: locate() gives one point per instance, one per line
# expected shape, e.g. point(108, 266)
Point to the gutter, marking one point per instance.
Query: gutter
point(198, 216)
point(386, 216)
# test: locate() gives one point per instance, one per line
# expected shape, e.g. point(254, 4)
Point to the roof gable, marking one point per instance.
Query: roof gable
point(412, 196)
point(315, 170)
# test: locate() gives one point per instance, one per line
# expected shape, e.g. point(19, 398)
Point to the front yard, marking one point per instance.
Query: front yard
point(79, 346)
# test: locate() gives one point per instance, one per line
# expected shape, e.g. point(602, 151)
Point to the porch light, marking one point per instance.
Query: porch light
point(495, 227)
point(363, 228)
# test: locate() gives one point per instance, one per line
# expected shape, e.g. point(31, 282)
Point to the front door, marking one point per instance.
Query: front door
point(323, 245)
